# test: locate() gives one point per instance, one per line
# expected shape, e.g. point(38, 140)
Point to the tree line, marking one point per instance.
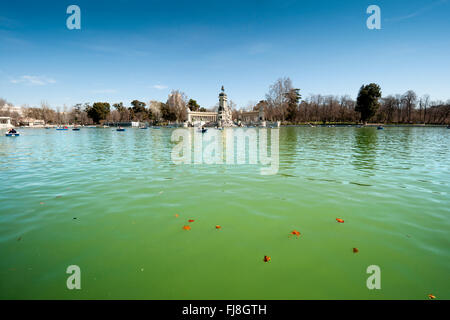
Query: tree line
point(283, 102)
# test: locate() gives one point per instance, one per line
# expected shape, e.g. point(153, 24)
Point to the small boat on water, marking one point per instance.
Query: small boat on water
point(380, 128)
point(65, 128)
point(12, 133)
point(203, 130)
point(75, 129)
point(120, 129)
point(143, 128)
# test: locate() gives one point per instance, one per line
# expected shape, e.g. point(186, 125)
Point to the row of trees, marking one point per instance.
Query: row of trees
point(174, 109)
point(283, 102)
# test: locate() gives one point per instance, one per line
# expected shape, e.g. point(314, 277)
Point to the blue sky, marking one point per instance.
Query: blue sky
point(130, 50)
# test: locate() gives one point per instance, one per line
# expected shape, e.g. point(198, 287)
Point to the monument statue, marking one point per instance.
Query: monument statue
point(224, 114)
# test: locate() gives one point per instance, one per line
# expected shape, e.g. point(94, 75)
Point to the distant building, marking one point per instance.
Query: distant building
point(223, 116)
point(251, 117)
point(38, 123)
point(30, 122)
point(5, 123)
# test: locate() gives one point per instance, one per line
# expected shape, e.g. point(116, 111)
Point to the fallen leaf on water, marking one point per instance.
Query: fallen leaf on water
point(340, 220)
point(267, 258)
point(191, 220)
point(41, 203)
point(431, 296)
point(186, 227)
point(218, 227)
point(295, 233)
point(19, 238)
point(176, 215)
point(355, 250)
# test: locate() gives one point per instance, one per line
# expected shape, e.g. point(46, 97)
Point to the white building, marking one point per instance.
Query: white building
point(5, 123)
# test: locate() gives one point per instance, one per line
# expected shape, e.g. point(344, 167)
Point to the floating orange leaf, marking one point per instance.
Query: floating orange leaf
point(176, 215)
point(186, 227)
point(295, 233)
point(355, 250)
point(431, 296)
point(267, 259)
point(191, 220)
point(218, 227)
point(340, 220)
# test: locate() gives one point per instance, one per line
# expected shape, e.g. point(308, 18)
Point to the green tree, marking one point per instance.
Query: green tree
point(119, 107)
point(98, 111)
point(193, 105)
point(139, 112)
point(138, 106)
point(368, 101)
point(77, 113)
point(293, 97)
point(167, 113)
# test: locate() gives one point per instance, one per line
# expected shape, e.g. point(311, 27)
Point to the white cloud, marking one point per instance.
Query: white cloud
point(418, 12)
point(33, 80)
point(258, 48)
point(159, 87)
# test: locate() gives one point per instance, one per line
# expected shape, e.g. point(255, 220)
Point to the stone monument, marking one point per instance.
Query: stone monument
point(224, 115)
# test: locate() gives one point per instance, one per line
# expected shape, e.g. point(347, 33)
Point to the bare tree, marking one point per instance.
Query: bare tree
point(276, 99)
point(177, 102)
point(155, 109)
point(409, 100)
point(424, 101)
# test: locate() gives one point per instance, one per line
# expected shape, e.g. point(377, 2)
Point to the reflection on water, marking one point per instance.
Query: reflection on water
point(365, 149)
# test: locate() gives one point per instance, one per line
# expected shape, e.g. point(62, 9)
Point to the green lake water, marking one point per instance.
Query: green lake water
point(107, 202)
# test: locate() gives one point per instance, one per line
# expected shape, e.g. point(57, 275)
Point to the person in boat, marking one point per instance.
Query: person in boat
point(12, 130)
